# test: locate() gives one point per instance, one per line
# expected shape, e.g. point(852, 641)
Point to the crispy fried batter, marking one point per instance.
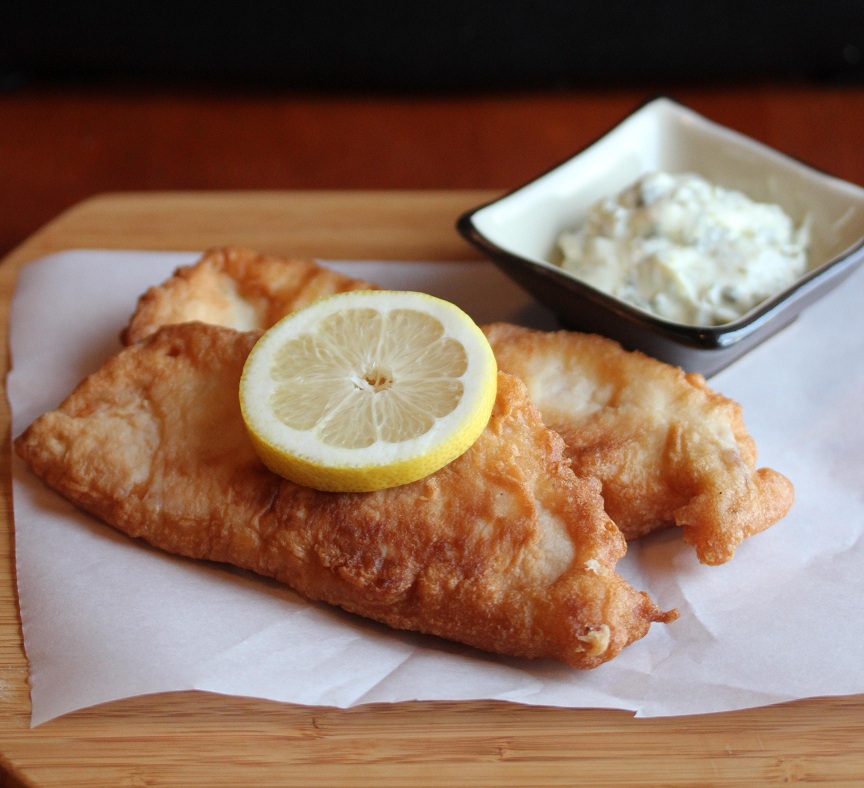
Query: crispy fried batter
point(668, 449)
point(504, 549)
point(237, 288)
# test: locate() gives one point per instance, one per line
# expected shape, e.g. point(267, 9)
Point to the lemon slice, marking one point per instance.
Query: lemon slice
point(368, 389)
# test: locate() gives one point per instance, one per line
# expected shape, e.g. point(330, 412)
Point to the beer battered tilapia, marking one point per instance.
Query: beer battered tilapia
point(505, 549)
point(667, 449)
point(238, 288)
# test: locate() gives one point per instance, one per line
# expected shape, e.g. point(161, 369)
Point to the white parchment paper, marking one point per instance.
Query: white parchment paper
point(106, 617)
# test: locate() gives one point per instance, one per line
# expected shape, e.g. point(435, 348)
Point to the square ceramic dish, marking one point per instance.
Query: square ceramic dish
point(519, 231)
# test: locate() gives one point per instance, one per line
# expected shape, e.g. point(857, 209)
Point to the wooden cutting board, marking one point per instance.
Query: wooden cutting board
point(199, 739)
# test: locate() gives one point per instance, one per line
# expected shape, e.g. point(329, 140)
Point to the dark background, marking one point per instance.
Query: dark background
point(432, 46)
point(145, 95)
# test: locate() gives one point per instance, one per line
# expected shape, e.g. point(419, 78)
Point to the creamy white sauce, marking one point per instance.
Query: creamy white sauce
point(686, 249)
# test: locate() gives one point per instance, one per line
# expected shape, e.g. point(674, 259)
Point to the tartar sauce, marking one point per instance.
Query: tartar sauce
point(685, 249)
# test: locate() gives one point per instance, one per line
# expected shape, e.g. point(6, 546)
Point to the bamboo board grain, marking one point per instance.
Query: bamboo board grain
point(196, 739)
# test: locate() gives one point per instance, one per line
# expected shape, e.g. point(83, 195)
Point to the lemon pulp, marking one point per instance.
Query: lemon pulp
point(368, 389)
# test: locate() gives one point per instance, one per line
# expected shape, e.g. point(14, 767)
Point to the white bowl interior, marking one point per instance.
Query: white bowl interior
point(663, 135)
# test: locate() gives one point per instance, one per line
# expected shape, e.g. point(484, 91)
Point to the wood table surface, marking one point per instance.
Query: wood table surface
point(396, 197)
point(61, 146)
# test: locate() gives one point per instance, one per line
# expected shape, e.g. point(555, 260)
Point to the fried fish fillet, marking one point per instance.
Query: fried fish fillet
point(238, 288)
point(504, 549)
point(667, 449)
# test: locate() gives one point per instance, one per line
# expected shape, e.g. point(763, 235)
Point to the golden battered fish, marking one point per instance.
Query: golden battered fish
point(504, 549)
point(667, 449)
point(238, 288)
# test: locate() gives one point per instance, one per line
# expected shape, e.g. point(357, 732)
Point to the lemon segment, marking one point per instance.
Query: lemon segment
point(368, 389)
